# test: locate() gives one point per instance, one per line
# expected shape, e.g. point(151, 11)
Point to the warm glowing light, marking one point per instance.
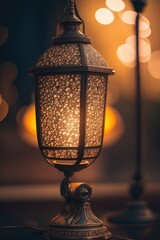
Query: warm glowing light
point(110, 120)
point(128, 17)
point(3, 109)
point(114, 126)
point(29, 120)
point(144, 23)
point(127, 52)
point(144, 27)
point(104, 16)
point(126, 55)
point(132, 41)
point(1, 99)
point(154, 64)
point(145, 33)
point(144, 45)
point(145, 51)
point(115, 5)
point(27, 125)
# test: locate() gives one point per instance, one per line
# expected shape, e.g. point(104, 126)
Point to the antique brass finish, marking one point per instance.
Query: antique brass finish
point(70, 91)
point(76, 219)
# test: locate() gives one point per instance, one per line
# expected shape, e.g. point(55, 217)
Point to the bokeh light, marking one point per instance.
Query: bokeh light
point(1, 99)
point(104, 16)
point(27, 125)
point(145, 51)
point(3, 109)
point(127, 52)
point(29, 120)
point(144, 27)
point(144, 23)
point(115, 5)
point(126, 55)
point(110, 120)
point(144, 47)
point(8, 73)
point(128, 17)
point(114, 126)
point(145, 33)
point(154, 64)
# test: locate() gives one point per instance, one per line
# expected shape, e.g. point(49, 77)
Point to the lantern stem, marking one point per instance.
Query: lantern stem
point(68, 174)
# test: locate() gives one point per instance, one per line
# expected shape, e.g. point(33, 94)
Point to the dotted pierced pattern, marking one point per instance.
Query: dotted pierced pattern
point(59, 99)
point(93, 57)
point(60, 153)
point(91, 153)
point(61, 54)
point(95, 110)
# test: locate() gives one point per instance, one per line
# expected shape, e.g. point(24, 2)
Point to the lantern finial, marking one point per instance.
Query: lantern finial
point(70, 7)
point(68, 29)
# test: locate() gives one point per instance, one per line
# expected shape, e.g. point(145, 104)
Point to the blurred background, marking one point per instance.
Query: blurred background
point(26, 29)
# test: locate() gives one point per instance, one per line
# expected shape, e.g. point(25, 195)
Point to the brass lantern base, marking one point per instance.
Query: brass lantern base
point(76, 220)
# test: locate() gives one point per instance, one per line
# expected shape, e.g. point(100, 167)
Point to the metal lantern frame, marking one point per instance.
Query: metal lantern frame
point(72, 35)
point(76, 220)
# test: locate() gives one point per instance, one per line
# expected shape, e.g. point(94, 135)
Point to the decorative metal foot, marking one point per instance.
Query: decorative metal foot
point(136, 212)
point(76, 220)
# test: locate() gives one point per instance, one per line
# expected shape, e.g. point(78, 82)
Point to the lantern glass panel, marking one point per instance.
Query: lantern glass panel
point(59, 98)
point(59, 101)
point(60, 154)
point(96, 97)
point(91, 152)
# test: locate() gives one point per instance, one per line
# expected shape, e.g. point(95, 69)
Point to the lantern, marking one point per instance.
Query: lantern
point(70, 88)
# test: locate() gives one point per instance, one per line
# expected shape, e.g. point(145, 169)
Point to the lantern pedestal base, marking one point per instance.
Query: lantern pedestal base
point(76, 220)
point(137, 212)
